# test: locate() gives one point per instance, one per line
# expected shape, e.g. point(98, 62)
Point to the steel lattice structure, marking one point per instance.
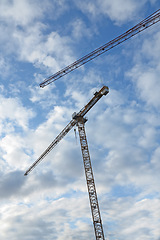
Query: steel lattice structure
point(79, 120)
point(146, 23)
point(97, 221)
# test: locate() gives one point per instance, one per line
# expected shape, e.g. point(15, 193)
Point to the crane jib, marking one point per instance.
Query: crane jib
point(97, 95)
point(144, 24)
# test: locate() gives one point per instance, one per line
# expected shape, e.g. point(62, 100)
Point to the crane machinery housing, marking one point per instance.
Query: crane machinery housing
point(144, 24)
point(79, 120)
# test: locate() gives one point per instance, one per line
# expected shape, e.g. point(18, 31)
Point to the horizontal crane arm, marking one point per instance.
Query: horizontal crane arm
point(103, 91)
point(147, 22)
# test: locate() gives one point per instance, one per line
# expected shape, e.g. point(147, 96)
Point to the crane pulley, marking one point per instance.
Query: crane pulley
point(79, 120)
point(144, 24)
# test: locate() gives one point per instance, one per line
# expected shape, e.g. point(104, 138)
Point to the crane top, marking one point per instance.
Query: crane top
point(97, 95)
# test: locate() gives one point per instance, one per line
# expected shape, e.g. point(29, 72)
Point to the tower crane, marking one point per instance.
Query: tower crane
point(79, 120)
point(144, 24)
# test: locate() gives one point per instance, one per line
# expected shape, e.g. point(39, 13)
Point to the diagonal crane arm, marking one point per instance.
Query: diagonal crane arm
point(144, 24)
point(97, 95)
point(52, 145)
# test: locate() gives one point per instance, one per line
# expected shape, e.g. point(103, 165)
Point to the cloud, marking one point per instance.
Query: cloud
point(11, 109)
point(14, 122)
point(29, 40)
point(130, 217)
point(143, 219)
point(122, 128)
point(146, 69)
point(118, 11)
point(4, 67)
point(148, 86)
point(11, 184)
point(51, 220)
point(20, 12)
point(79, 30)
point(14, 151)
point(44, 97)
point(23, 13)
point(50, 52)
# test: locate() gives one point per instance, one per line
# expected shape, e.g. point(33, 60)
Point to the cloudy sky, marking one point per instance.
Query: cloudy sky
point(37, 39)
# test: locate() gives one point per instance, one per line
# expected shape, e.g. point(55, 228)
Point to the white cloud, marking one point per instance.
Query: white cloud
point(147, 82)
point(118, 11)
point(12, 109)
point(28, 41)
point(50, 128)
point(51, 51)
point(14, 119)
point(150, 48)
point(133, 218)
point(11, 184)
point(114, 99)
point(155, 159)
point(51, 219)
point(23, 13)
point(80, 30)
point(122, 10)
point(122, 132)
point(44, 97)
point(142, 225)
point(14, 151)
point(78, 97)
point(4, 67)
point(146, 69)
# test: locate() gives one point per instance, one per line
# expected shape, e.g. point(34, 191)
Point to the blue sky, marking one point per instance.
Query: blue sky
point(37, 39)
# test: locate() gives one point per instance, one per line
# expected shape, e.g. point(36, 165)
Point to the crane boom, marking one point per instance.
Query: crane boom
point(97, 95)
point(52, 145)
point(147, 22)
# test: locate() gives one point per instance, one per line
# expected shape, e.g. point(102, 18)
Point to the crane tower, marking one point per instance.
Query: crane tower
point(97, 222)
point(79, 120)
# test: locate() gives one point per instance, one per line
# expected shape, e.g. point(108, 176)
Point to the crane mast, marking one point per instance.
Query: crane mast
point(97, 221)
point(79, 120)
point(144, 24)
